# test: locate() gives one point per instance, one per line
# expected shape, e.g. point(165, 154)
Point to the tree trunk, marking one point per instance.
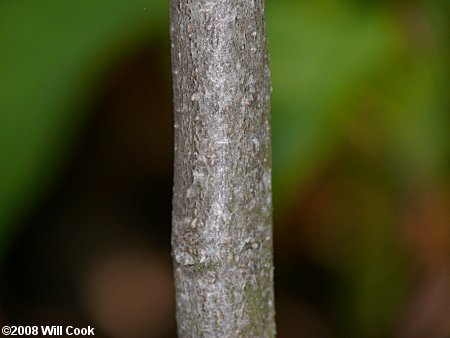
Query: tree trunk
point(222, 202)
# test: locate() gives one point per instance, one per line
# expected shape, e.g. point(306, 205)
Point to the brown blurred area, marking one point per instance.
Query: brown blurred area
point(96, 249)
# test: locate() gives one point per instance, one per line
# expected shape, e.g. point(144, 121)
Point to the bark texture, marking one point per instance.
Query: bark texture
point(222, 203)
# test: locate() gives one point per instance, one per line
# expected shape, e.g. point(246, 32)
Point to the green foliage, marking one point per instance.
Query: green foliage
point(52, 54)
point(329, 56)
point(373, 76)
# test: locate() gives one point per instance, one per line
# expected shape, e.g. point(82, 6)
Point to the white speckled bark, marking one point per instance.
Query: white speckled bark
point(222, 208)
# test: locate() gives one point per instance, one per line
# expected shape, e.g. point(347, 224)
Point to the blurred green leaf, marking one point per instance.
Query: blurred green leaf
point(52, 55)
point(329, 59)
point(317, 66)
point(326, 58)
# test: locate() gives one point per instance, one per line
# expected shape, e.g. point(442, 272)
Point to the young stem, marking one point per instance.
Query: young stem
point(222, 202)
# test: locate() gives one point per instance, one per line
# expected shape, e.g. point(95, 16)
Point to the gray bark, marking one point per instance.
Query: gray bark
point(222, 202)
